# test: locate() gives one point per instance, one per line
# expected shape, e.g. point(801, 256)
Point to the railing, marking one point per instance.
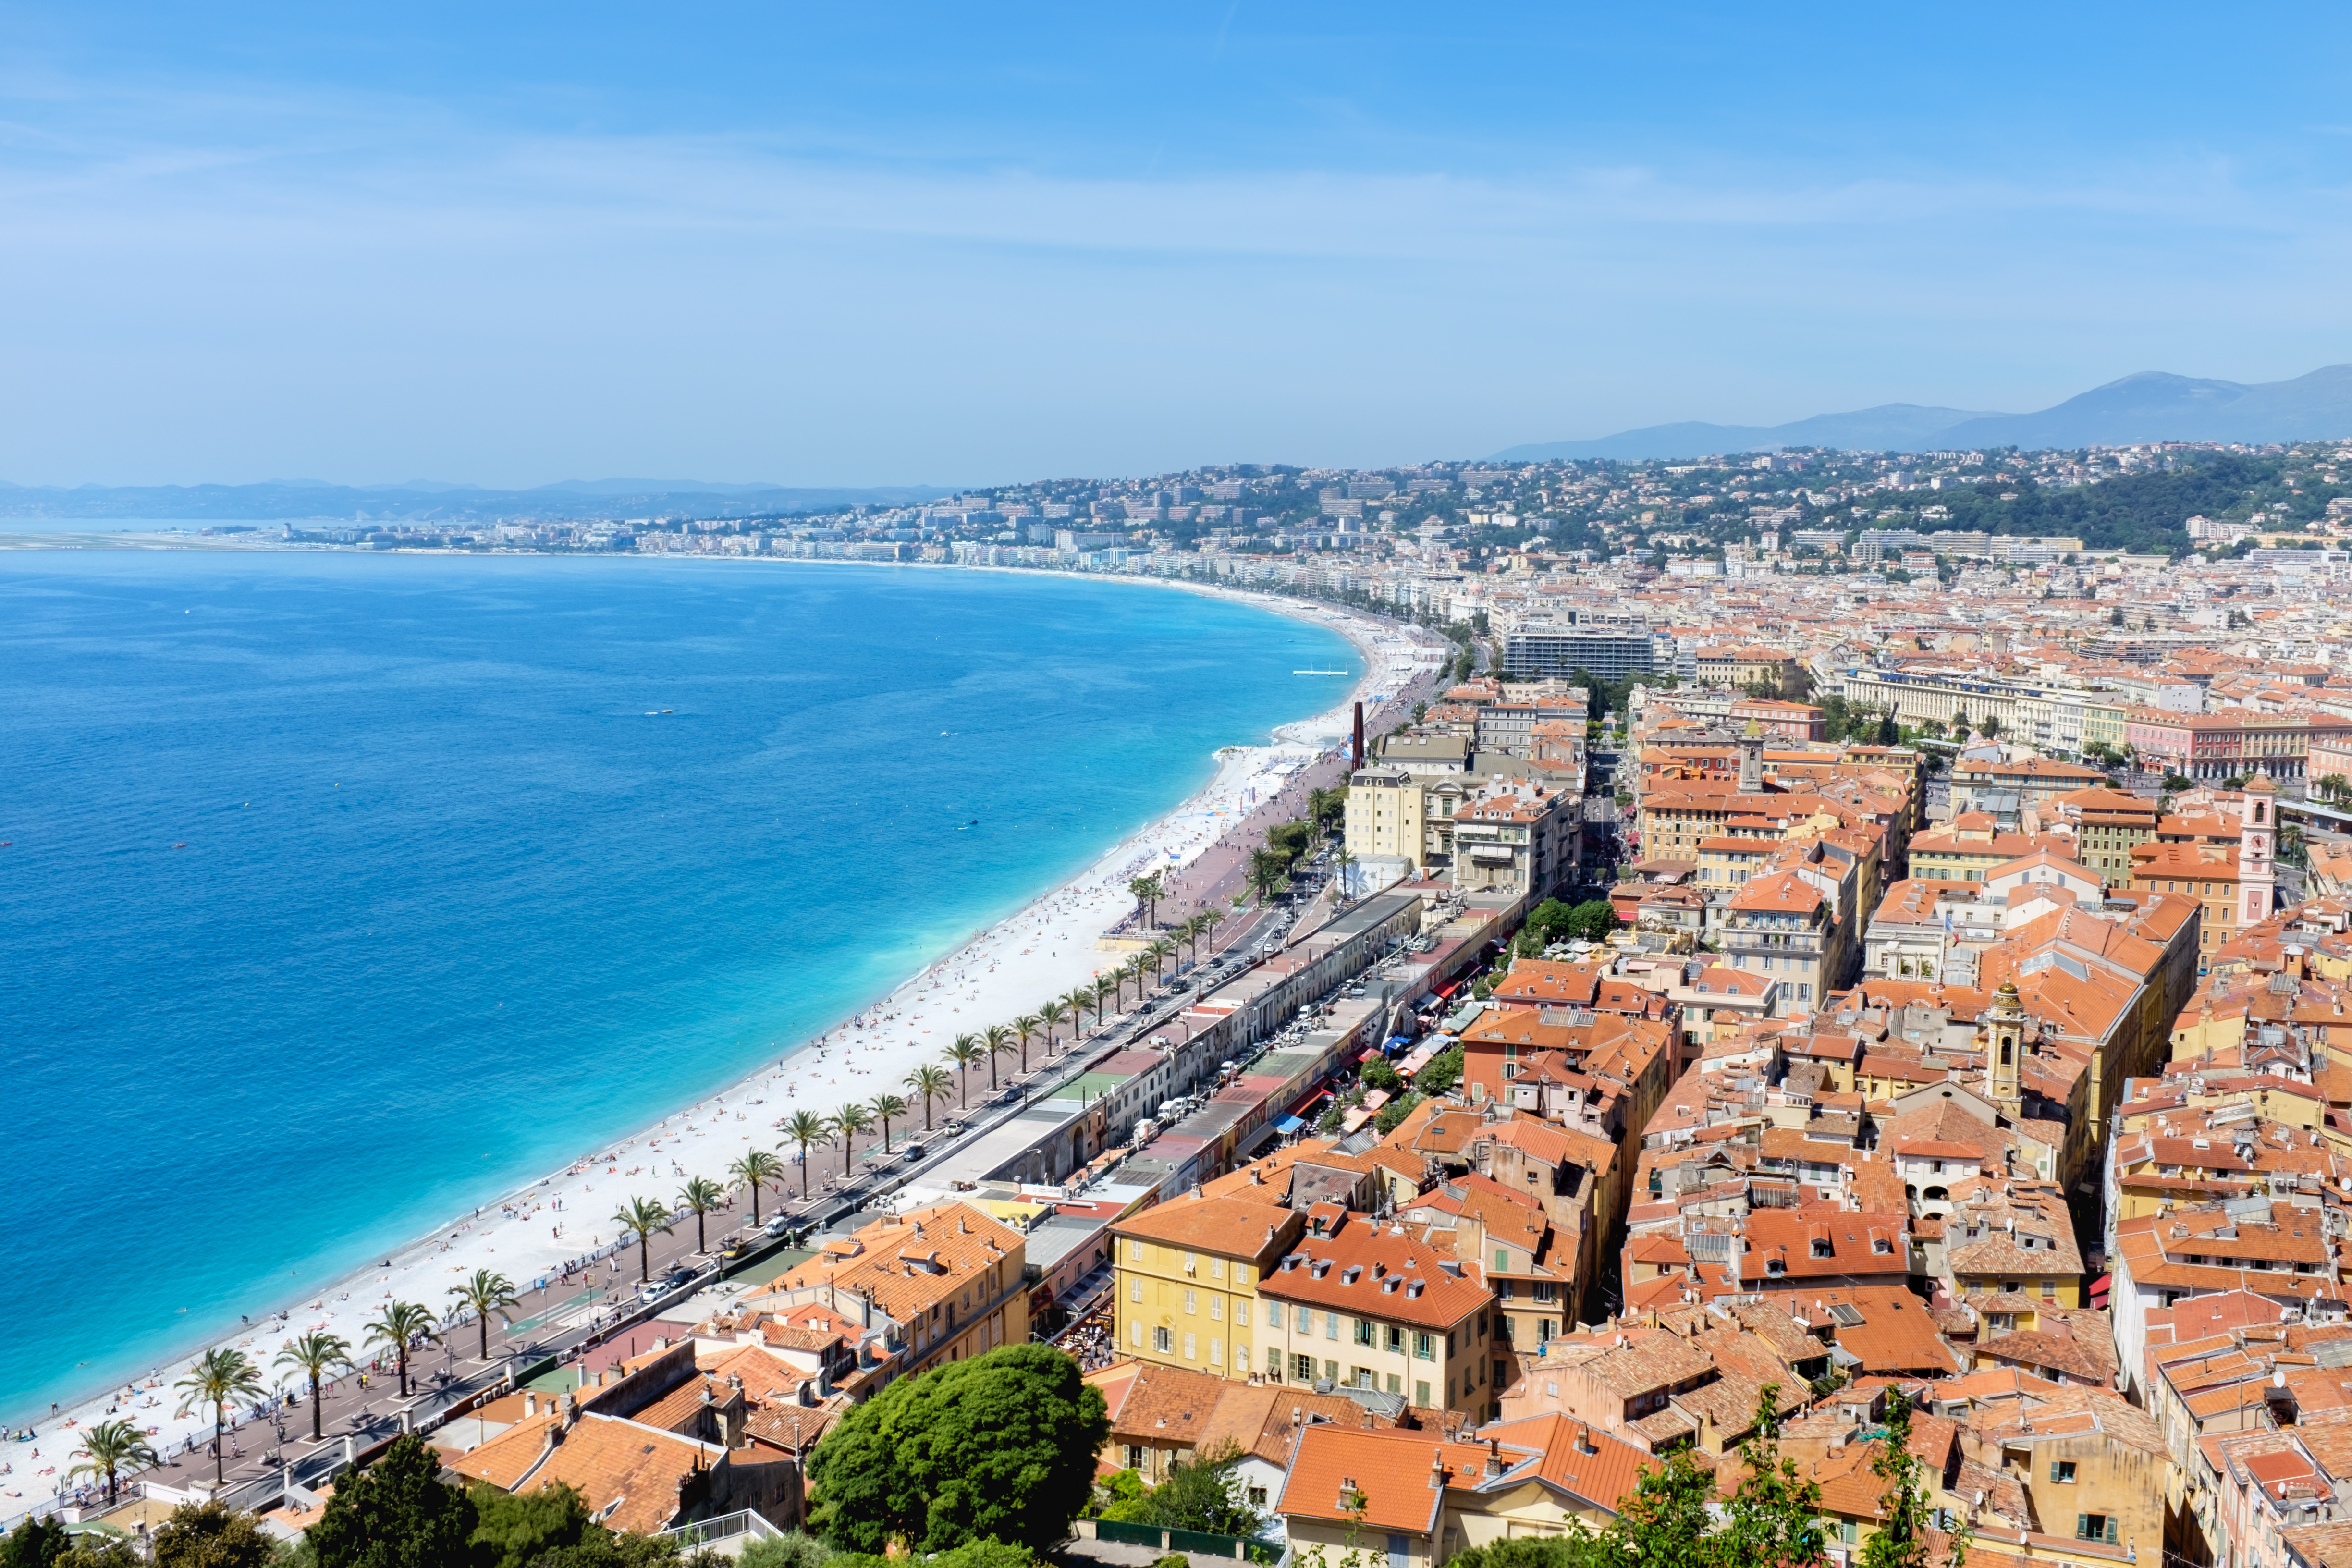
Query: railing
point(1166, 1538)
point(743, 1522)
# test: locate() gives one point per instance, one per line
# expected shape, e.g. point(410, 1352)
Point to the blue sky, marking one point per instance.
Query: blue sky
point(848, 245)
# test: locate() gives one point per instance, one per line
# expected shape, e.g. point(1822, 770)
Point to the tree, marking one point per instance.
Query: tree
point(804, 1128)
point(396, 1514)
point(487, 1292)
point(1003, 1445)
point(401, 1325)
point(847, 1122)
point(1080, 998)
point(1104, 985)
point(647, 1219)
point(219, 1378)
point(1050, 1013)
point(930, 1082)
point(1147, 891)
point(313, 1354)
point(213, 1535)
point(1901, 1540)
point(758, 1167)
point(1024, 1028)
point(1774, 1516)
point(1441, 1073)
point(110, 1446)
point(963, 1053)
point(1663, 1522)
point(790, 1550)
point(885, 1107)
point(1204, 1493)
point(1576, 1547)
point(1593, 919)
point(701, 1194)
point(514, 1530)
point(1268, 871)
point(998, 1041)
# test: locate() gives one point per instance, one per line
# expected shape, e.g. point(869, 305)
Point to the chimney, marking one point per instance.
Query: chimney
point(570, 1413)
point(1437, 1469)
point(1493, 1456)
point(529, 1404)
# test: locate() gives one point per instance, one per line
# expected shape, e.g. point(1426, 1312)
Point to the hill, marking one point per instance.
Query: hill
point(2152, 405)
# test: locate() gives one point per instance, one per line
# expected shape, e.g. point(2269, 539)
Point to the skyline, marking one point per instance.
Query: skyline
point(818, 250)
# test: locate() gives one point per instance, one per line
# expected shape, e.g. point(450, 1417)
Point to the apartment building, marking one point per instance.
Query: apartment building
point(1188, 1272)
point(1370, 1307)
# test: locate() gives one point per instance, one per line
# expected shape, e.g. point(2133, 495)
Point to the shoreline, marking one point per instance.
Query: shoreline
point(990, 974)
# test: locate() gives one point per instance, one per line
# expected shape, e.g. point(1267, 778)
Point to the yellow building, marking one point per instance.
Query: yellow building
point(1388, 816)
point(1188, 1273)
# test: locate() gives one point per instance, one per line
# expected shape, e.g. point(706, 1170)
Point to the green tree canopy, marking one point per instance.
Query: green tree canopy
point(1002, 1445)
point(1199, 1494)
point(212, 1535)
point(396, 1514)
point(515, 1530)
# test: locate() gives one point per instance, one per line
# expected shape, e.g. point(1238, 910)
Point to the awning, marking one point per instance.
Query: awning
point(1288, 1124)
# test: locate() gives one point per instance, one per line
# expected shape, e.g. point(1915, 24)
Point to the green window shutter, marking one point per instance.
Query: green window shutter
point(1502, 1260)
point(2082, 1526)
point(2053, 1470)
point(2112, 1531)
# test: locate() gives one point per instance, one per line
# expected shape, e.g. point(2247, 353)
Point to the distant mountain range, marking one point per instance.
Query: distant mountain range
point(429, 501)
point(2153, 406)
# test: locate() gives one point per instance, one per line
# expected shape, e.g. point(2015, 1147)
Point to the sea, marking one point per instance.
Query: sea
point(340, 893)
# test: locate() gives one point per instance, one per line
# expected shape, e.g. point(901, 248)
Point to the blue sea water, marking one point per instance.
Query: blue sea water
point(345, 893)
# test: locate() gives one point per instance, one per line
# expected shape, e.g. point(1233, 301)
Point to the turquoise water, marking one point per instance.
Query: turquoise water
point(458, 901)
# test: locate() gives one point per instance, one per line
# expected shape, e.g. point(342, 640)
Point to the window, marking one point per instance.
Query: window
point(1424, 1347)
point(1216, 1308)
point(2096, 1527)
point(1363, 1331)
point(1192, 1264)
point(1330, 1325)
point(1502, 1260)
point(1135, 1251)
point(1302, 1367)
point(1257, 1497)
point(1396, 1338)
point(1396, 1383)
point(1273, 1364)
point(1134, 1456)
point(1421, 1392)
point(1135, 1333)
point(1306, 1320)
point(1164, 1340)
point(1216, 1268)
point(2062, 1469)
point(1190, 1303)
point(1849, 1532)
point(1190, 1354)
point(1135, 1289)
point(1331, 1372)
point(1241, 1313)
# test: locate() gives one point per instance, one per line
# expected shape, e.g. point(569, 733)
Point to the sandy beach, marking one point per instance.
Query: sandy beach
point(528, 1234)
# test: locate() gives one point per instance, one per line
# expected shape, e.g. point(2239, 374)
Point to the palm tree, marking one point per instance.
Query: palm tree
point(113, 1446)
point(932, 1082)
point(1162, 952)
point(806, 1127)
point(999, 1040)
point(1081, 998)
point(1050, 1013)
point(963, 1053)
point(702, 1195)
point(1104, 985)
point(399, 1327)
point(487, 1292)
point(1347, 866)
point(1266, 869)
point(848, 1123)
point(1023, 1028)
point(1191, 932)
point(755, 1170)
point(221, 1375)
point(313, 1353)
point(648, 1219)
point(885, 1106)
